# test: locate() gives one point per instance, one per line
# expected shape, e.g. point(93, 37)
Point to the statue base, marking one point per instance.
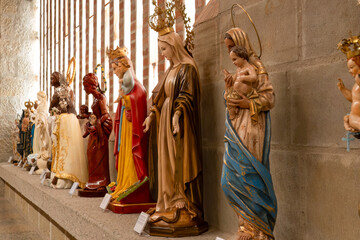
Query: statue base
point(121, 208)
point(91, 193)
point(136, 202)
point(176, 223)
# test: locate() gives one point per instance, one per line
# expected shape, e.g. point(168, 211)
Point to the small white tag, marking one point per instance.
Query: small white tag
point(141, 222)
point(42, 175)
point(10, 158)
point(32, 170)
point(105, 202)
point(219, 238)
point(73, 188)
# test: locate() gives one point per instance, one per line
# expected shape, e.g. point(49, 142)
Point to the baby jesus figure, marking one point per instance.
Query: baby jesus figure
point(91, 125)
point(352, 121)
point(245, 79)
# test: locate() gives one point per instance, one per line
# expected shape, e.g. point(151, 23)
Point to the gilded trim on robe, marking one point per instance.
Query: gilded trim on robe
point(247, 182)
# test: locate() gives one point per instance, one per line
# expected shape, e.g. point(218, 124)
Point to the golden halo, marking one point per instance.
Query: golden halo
point(68, 79)
point(252, 22)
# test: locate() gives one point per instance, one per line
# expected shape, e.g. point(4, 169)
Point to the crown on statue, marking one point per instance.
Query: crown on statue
point(29, 104)
point(117, 53)
point(350, 46)
point(163, 19)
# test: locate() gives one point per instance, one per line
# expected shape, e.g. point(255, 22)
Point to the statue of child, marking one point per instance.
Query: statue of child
point(245, 78)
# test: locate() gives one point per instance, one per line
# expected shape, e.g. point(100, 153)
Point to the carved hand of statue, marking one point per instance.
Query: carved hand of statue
point(229, 81)
point(91, 129)
point(128, 115)
point(340, 84)
point(121, 92)
point(147, 122)
point(241, 103)
point(175, 122)
point(106, 121)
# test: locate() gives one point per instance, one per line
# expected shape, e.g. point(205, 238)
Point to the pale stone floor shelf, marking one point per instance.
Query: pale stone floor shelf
point(56, 215)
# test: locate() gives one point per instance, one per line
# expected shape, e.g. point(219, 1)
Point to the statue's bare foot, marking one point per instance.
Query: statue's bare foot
point(180, 204)
point(244, 236)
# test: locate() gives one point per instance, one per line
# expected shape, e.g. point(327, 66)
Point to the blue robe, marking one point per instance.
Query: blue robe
point(247, 182)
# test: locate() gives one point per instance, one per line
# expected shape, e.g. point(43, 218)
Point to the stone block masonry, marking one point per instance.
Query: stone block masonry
point(19, 64)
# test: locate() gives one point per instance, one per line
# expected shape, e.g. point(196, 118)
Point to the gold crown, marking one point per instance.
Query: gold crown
point(163, 19)
point(29, 104)
point(117, 53)
point(350, 46)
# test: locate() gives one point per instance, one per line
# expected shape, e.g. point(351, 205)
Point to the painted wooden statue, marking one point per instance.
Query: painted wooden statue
point(42, 140)
point(351, 47)
point(132, 191)
point(15, 139)
point(246, 179)
point(68, 155)
point(97, 150)
point(176, 110)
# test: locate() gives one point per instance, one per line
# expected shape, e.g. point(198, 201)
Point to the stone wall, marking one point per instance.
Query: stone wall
point(316, 180)
point(19, 63)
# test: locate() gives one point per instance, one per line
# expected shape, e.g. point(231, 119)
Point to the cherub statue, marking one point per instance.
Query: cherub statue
point(351, 48)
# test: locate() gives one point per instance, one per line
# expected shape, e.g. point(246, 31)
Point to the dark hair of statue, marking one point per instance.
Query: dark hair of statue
point(240, 52)
point(227, 36)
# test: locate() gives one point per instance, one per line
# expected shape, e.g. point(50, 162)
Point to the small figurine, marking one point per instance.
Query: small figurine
point(84, 112)
point(97, 150)
point(21, 144)
point(92, 121)
point(351, 47)
point(15, 141)
point(68, 155)
point(176, 111)
point(132, 193)
point(244, 81)
point(28, 127)
point(90, 126)
point(42, 139)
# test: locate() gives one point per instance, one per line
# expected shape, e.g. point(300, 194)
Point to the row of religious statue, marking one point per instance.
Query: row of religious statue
point(170, 134)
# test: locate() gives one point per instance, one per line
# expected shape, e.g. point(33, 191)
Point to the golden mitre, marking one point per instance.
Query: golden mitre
point(117, 53)
point(350, 46)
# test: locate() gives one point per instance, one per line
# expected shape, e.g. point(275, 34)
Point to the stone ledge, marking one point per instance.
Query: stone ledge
point(81, 218)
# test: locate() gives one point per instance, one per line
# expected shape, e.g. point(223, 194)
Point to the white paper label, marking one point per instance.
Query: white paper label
point(32, 170)
point(42, 175)
point(219, 238)
point(141, 222)
point(10, 158)
point(105, 202)
point(73, 188)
